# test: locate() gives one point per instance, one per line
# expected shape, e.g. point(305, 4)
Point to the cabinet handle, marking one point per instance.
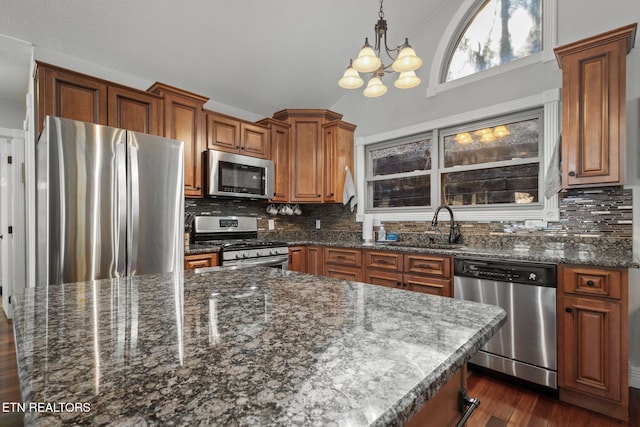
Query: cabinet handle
point(572, 173)
point(424, 266)
point(591, 283)
point(569, 310)
point(384, 261)
point(398, 284)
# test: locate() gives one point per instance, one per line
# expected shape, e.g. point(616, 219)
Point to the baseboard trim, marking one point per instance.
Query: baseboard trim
point(634, 376)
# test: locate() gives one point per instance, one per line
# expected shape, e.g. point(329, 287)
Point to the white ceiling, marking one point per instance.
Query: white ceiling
point(256, 55)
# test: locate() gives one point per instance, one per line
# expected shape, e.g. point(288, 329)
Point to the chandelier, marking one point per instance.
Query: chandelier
point(403, 57)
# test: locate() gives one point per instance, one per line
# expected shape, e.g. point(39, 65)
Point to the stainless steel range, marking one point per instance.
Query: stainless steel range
point(238, 236)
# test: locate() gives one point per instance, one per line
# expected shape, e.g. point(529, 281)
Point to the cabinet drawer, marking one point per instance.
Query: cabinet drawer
point(600, 282)
point(200, 261)
point(390, 279)
point(352, 257)
point(353, 274)
point(384, 260)
point(428, 264)
point(428, 285)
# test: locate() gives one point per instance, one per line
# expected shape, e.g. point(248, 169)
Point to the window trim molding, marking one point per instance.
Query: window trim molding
point(549, 211)
point(449, 38)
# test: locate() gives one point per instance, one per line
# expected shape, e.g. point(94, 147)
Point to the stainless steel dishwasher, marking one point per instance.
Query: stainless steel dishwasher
point(525, 347)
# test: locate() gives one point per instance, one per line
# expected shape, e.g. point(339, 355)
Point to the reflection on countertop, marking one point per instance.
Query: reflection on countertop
point(254, 346)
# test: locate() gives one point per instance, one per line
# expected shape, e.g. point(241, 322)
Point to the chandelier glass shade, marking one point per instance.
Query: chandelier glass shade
point(404, 61)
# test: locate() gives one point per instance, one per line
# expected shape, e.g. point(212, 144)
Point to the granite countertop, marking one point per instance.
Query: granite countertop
point(255, 346)
point(584, 254)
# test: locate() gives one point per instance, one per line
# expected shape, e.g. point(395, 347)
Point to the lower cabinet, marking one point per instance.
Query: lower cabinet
point(298, 258)
point(593, 339)
point(200, 260)
point(431, 274)
point(343, 263)
point(315, 260)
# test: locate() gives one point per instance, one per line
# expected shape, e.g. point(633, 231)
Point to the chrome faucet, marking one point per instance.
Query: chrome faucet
point(454, 231)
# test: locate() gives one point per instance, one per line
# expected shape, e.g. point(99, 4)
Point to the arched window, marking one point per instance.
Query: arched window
point(499, 32)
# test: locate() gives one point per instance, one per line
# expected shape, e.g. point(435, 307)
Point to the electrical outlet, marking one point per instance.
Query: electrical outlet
point(317, 224)
point(272, 224)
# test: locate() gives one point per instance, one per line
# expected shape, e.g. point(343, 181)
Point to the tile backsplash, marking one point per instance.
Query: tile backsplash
point(585, 215)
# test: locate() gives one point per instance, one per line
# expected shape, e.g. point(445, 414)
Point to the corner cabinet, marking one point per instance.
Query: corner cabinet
point(316, 176)
point(593, 108)
point(183, 121)
point(593, 339)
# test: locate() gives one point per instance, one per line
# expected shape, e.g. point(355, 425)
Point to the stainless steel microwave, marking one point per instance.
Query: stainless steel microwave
point(235, 175)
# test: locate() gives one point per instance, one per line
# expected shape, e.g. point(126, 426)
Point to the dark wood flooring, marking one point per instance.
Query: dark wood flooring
point(502, 404)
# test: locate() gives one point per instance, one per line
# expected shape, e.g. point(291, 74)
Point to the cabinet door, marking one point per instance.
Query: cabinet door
point(338, 155)
point(70, 95)
point(380, 260)
point(590, 346)
point(315, 264)
point(428, 285)
point(306, 160)
point(223, 133)
point(593, 109)
point(134, 110)
point(254, 140)
point(298, 259)
point(183, 122)
point(280, 156)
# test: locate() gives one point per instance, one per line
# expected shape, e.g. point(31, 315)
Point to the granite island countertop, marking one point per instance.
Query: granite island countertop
point(256, 346)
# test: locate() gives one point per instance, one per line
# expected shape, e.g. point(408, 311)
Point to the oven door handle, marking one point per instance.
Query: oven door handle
point(258, 262)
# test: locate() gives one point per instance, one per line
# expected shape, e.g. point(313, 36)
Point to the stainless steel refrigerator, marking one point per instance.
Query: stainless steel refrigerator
point(109, 203)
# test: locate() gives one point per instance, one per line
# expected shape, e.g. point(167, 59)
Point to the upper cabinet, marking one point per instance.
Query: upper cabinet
point(320, 148)
point(65, 93)
point(593, 108)
point(226, 133)
point(183, 121)
point(279, 142)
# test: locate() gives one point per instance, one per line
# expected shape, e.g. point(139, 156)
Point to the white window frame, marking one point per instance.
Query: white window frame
point(449, 39)
point(548, 210)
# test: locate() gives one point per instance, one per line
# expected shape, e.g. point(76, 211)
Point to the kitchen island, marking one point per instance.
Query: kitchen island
point(255, 346)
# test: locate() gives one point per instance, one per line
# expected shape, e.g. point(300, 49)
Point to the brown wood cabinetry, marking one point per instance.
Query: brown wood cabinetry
point(343, 263)
point(316, 135)
point(200, 261)
point(76, 96)
point(279, 142)
point(338, 156)
point(183, 121)
point(65, 93)
point(593, 108)
point(430, 274)
point(593, 339)
point(315, 260)
point(233, 135)
point(298, 258)
point(134, 110)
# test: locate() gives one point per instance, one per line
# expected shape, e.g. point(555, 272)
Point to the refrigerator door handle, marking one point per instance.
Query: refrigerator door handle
point(134, 209)
point(120, 240)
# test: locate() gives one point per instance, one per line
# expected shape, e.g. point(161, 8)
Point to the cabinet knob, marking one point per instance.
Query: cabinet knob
point(591, 283)
point(572, 173)
point(318, 195)
point(569, 310)
point(330, 195)
point(198, 188)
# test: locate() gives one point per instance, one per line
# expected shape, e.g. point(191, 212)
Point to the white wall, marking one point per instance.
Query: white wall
point(12, 115)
